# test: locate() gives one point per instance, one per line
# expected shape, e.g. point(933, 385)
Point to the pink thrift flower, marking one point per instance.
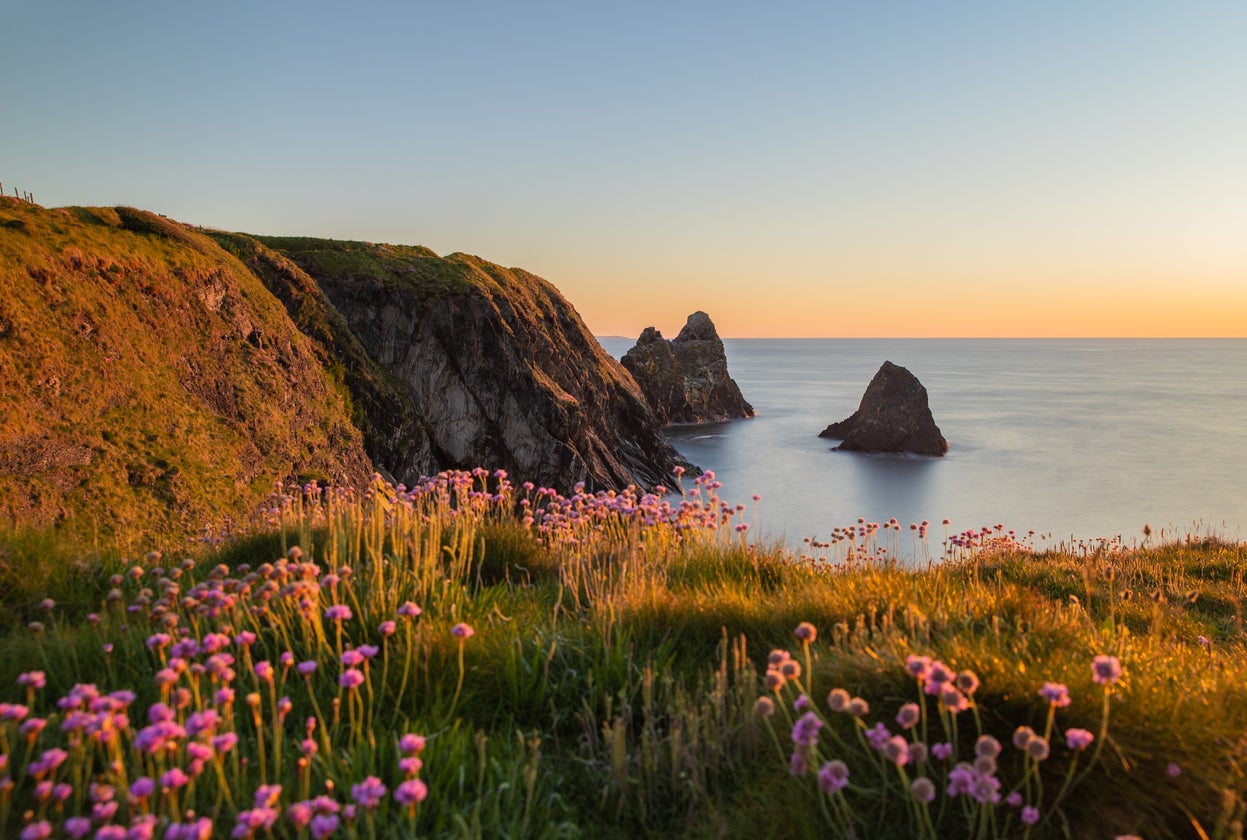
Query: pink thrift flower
point(462, 631)
point(387, 628)
point(306, 668)
point(1078, 739)
point(411, 743)
point(351, 678)
point(833, 776)
point(411, 792)
point(338, 612)
point(1055, 693)
point(1030, 815)
point(1106, 670)
point(806, 632)
point(409, 610)
point(368, 793)
point(323, 825)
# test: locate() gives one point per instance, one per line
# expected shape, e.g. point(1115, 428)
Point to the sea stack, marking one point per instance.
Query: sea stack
point(685, 380)
point(894, 416)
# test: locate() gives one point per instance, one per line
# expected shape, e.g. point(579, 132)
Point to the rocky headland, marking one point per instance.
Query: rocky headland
point(156, 378)
point(894, 416)
point(686, 380)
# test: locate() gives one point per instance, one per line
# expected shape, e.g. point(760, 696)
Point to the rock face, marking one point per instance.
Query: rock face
point(686, 380)
point(894, 416)
point(497, 367)
point(149, 384)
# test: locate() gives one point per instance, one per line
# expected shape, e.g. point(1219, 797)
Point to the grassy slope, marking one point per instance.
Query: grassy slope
point(599, 681)
point(149, 384)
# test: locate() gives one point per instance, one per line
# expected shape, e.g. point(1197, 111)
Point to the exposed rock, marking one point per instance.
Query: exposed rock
point(686, 380)
point(894, 416)
point(498, 367)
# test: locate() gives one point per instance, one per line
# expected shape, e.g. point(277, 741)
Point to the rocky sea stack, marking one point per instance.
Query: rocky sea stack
point(685, 380)
point(894, 416)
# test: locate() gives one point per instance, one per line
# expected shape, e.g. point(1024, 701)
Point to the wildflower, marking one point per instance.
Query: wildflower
point(33, 679)
point(174, 778)
point(141, 788)
point(908, 716)
point(833, 776)
point(1056, 694)
point(351, 658)
point(1014, 800)
point(462, 631)
point(1022, 736)
point(387, 628)
point(878, 735)
point(774, 680)
point(306, 668)
point(1105, 670)
point(324, 825)
point(764, 707)
point(1078, 739)
point(1037, 748)
point(264, 670)
point(918, 752)
point(411, 792)
point(368, 793)
point(299, 814)
point(1030, 815)
point(1173, 770)
point(338, 612)
point(267, 795)
point(806, 632)
point(77, 827)
point(838, 700)
point(409, 609)
point(798, 764)
point(953, 700)
point(986, 745)
point(40, 830)
point(918, 666)
point(922, 789)
point(801, 703)
point(858, 707)
point(967, 681)
point(896, 750)
point(805, 730)
point(225, 742)
point(411, 743)
point(351, 678)
point(790, 669)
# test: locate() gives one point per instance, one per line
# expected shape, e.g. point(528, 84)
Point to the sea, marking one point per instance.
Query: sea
point(1060, 440)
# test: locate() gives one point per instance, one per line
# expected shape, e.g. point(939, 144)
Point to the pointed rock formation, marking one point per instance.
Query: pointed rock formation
point(894, 416)
point(686, 380)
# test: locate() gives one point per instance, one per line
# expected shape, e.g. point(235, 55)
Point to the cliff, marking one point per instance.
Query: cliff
point(148, 382)
point(686, 380)
point(498, 367)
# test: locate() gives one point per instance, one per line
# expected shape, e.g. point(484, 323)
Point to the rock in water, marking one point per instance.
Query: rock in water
point(894, 416)
point(686, 380)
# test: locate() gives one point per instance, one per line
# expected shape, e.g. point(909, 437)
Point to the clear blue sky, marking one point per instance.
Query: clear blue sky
point(863, 168)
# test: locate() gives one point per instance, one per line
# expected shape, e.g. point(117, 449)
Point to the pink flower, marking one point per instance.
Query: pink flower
point(409, 609)
point(351, 678)
point(462, 631)
point(338, 612)
point(411, 792)
point(806, 632)
point(33, 679)
point(174, 778)
point(1030, 815)
point(411, 743)
point(324, 825)
point(1105, 670)
point(264, 670)
point(833, 776)
point(368, 793)
point(387, 628)
point(306, 668)
point(1055, 693)
point(1078, 739)
point(908, 716)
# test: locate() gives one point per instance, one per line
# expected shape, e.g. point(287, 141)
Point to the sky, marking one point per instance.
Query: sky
point(839, 169)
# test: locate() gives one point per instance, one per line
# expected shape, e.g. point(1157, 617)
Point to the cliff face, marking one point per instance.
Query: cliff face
point(497, 364)
point(894, 416)
point(149, 384)
point(686, 380)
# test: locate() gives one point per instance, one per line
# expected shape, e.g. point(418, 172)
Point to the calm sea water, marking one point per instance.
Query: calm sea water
point(1079, 439)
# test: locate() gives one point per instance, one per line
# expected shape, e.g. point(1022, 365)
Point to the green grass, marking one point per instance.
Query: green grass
point(609, 688)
